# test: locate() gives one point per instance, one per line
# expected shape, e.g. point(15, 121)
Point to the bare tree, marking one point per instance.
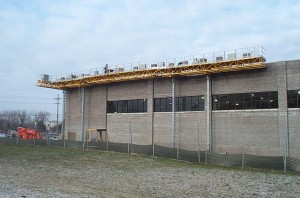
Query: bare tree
point(7, 119)
point(11, 119)
point(24, 118)
point(2, 121)
point(40, 118)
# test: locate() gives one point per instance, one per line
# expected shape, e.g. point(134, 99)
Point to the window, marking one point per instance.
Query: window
point(112, 106)
point(127, 106)
point(179, 104)
point(187, 103)
point(293, 98)
point(163, 105)
point(157, 104)
point(257, 100)
point(120, 107)
point(169, 104)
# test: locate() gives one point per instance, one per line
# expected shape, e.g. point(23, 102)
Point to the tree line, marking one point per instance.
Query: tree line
point(12, 119)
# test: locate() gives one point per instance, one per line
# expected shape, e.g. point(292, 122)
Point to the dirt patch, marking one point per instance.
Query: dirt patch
point(46, 172)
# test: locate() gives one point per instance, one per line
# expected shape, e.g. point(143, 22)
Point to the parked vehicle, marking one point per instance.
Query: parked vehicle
point(2, 135)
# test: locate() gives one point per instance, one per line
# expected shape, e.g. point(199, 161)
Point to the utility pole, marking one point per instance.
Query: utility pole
point(57, 108)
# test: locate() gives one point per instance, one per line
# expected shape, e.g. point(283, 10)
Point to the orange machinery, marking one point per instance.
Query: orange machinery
point(26, 133)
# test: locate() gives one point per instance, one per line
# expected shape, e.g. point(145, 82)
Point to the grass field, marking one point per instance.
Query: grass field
point(49, 172)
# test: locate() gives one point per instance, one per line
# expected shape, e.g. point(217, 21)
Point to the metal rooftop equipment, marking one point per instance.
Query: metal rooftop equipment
point(248, 58)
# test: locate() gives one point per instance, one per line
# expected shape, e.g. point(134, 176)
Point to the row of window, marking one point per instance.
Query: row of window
point(187, 103)
point(257, 100)
point(127, 106)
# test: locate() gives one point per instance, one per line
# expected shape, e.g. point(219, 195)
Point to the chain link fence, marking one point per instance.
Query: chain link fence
point(285, 163)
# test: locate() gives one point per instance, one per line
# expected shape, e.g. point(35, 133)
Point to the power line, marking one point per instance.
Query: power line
point(7, 102)
point(29, 97)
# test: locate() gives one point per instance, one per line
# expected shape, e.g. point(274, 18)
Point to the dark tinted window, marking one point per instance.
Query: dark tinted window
point(293, 98)
point(127, 106)
point(187, 103)
point(257, 100)
point(112, 107)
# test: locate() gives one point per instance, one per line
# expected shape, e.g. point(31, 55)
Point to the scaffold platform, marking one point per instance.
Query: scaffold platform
point(203, 64)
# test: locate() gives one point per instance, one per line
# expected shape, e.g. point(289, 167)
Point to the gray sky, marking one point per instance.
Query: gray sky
point(62, 36)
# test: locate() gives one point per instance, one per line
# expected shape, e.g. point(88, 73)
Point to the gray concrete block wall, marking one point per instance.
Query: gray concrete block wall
point(248, 132)
point(184, 86)
point(282, 106)
point(259, 132)
point(186, 122)
point(293, 83)
point(118, 128)
point(293, 74)
point(188, 126)
point(294, 133)
point(191, 86)
point(162, 88)
point(73, 113)
point(96, 107)
point(118, 124)
point(128, 90)
point(163, 129)
point(246, 81)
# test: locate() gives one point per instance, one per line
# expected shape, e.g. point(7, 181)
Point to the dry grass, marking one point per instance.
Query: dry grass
point(47, 172)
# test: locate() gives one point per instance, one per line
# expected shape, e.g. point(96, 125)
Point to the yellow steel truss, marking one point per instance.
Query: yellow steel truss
point(166, 72)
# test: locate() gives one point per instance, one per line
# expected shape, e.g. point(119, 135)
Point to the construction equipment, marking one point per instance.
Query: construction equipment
point(27, 133)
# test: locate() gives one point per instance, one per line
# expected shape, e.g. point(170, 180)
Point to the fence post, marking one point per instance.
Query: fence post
point(130, 136)
point(206, 156)
point(243, 160)
point(128, 147)
point(198, 141)
point(106, 140)
point(177, 146)
point(153, 149)
point(284, 163)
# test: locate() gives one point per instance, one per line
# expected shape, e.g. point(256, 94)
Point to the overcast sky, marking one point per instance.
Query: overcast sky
point(63, 36)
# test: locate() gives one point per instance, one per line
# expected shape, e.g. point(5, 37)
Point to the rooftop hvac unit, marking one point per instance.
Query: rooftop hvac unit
point(96, 72)
point(232, 56)
point(219, 58)
point(120, 69)
point(71, 76)
point(246, 55)
point(171, 64)
point(161, 64)
point(196, 60)
point(153, 65)
point(142, 66)
point(135, 68)
point(45, 77)
point(183, 63)
point(200, 60)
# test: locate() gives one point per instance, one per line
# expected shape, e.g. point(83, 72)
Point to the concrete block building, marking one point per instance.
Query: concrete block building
point(224, 107)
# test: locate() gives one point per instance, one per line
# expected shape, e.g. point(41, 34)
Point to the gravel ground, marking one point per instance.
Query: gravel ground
point(45, 172)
